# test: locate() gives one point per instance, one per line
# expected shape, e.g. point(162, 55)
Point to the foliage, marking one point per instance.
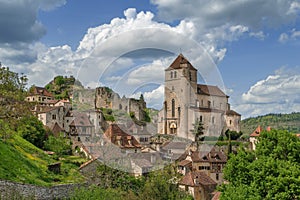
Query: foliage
point(270, 172)
point(288, 122)
point(98, 193)
point(156, 185)
point(60, 145)
point(147, 117)
point(233, 134)
point(108, 114)
point(32, 130)
point(23, 162)
point(62, 87)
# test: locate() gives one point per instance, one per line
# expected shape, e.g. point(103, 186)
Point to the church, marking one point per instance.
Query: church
point(186, 101)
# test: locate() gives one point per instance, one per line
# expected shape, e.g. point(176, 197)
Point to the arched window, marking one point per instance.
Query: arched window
point(173, 107)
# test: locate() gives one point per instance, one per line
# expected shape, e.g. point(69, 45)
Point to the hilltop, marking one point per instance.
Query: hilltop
point(290, 122)
point(62, 87)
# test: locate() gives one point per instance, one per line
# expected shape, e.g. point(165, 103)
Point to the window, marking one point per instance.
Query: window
point(53, 117)
point(173, 107)
point(175, 74)
point(201, 118)
point(217, 176)
point(197, 103)
point(179, 111)
point(230, 122)
point(171, 74)
point(208, 104)
point(213, 120)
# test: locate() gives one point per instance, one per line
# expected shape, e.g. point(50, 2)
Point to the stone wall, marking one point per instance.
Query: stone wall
point(12, 190)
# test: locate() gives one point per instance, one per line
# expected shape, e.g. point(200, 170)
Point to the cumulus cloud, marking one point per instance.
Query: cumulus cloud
point(292, 36)
point(250, 13)
point(153, 98)
point(275, 94)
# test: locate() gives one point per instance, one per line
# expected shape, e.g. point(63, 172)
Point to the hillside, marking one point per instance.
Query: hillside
point(290, 122)
point(62, 87)
point(23, 162)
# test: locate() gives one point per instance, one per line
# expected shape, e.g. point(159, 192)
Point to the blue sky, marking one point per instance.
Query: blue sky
point(251, 45)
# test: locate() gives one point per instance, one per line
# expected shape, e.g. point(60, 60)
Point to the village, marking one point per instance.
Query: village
point(116, 131)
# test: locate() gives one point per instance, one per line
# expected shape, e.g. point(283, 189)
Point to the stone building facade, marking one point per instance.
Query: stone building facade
point(186, 101)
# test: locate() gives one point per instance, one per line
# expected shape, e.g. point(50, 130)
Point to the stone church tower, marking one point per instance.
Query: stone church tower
point(186, 101)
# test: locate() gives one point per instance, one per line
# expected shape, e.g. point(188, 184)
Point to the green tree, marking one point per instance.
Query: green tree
point(198, 131)
point(270, 172)
point(32, 130)
point(60, 145)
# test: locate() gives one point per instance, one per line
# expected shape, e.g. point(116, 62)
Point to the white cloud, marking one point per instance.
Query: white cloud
point(291, 36)
point(250, 13)
point(278, 93)
point(153, 98)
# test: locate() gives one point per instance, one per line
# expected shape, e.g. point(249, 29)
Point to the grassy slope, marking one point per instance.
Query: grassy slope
point(289, 122)
point(23, 162)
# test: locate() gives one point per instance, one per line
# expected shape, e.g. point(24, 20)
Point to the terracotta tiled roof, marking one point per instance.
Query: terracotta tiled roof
point(184, 163)
point(210, 90)
point(196, 178)
point(212, 156)
point(256, 132)
point(41, 91)
point(114, 133)
point(216, 196)
point(180, 60)
point(232, 112)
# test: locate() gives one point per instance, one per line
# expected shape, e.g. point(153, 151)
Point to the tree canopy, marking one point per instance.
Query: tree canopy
point(270, 172)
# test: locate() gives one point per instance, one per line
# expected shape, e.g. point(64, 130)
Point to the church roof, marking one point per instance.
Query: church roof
point(180, 60)
point(210, 90)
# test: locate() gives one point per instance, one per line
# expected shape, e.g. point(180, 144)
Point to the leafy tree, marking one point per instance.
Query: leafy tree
point(197, 131)
point(270, 172)
point(60, 145)
point(233, 134)
point(32, 130)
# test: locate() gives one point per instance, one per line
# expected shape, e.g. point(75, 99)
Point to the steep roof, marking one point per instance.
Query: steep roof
point(256, 132)
point(114, 133)
point(232, 112)
point(178, 61)
point(41, 91)
point(81, 120)
point(196, 178)
point(210, 90)
point(212, 156)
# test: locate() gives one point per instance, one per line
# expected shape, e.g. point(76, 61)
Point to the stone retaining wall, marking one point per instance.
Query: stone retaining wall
point(12, 190)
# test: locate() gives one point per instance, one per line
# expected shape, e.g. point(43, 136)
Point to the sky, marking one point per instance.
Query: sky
point(249, 48)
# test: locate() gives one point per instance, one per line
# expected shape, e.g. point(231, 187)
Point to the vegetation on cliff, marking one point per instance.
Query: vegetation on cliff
point(288, 122)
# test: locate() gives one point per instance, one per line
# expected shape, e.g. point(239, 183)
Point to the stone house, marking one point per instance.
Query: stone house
point(128, 143)
point(185, 101)
point(39, 94)
point(198, 184)
point(140, 167)
point(81, 126)
point(253, 136)
point(211, 163)
point(50, 116)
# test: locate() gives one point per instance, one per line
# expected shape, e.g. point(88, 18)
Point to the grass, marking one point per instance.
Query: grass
point(23, 162)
